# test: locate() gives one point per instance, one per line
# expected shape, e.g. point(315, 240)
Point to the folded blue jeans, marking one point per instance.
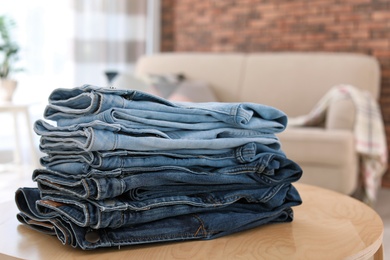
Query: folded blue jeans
point(268, 170)
point(203, 225)
point(85, 163)
point(68, 104)
point(141, 119)
point(94, 138)
point(115, 213)
point(120, 212)
point(125, 167)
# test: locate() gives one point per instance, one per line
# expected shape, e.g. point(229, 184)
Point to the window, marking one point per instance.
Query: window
point(68, 43)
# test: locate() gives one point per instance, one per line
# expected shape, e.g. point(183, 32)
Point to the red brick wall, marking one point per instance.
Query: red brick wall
point(167, 25)
point(361, 26)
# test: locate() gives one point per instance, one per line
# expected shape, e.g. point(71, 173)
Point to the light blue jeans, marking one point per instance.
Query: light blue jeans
point(99, 136)
point(85, 164)
point(137, 109)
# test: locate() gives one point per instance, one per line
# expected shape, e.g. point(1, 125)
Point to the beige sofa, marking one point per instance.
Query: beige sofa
point(293, 83)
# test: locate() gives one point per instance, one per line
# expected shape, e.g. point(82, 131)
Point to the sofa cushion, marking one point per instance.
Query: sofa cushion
point(295, 82)
point(193, 91)
point(162, 85)
point(129, 81)
point(223, 72)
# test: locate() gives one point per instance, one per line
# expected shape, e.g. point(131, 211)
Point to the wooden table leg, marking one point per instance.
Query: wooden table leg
point(379, 254)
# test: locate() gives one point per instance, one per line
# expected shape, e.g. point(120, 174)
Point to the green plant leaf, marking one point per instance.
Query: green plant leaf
point(7, 46)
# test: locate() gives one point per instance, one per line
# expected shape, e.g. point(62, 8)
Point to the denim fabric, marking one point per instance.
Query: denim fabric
point(127, 167)
point(268, 170)
point(45, 129)
point(100, 140)
point(156, 192)
point(203, 225)
point(84, 163)
point(140, 119)
point(119, 212)
point(91, 100)
point(95, 139)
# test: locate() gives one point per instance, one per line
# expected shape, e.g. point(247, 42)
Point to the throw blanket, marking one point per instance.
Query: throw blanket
point(370, 139)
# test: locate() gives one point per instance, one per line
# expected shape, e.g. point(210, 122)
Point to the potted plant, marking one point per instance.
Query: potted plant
point(8, 56)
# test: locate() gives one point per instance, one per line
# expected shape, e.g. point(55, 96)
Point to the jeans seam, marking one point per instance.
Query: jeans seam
point(201, 227)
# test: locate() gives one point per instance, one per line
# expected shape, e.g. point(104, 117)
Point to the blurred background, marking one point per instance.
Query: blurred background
point(67, 43)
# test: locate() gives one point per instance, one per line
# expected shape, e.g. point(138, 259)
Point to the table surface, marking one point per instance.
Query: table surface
point(328, 225)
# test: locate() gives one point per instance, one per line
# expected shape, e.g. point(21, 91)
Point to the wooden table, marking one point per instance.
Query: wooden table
point(328, 225)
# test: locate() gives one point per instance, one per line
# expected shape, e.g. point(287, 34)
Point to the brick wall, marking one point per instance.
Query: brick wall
point(361, 26)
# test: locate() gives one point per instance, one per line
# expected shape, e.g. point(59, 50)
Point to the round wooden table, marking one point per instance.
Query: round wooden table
point(328, 225)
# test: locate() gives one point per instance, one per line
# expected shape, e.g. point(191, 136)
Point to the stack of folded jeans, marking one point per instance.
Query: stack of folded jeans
point(123, 167)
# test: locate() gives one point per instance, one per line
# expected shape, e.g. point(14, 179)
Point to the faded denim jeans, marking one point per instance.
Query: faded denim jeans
point(86, 163)
point(98, 136)
point(134, 108)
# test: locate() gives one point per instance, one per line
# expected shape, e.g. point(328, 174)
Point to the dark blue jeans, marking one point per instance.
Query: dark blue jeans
point(121, 211)
point(268, 170)
point(201, 225)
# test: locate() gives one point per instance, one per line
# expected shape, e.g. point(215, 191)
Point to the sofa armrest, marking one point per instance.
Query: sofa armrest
point(341, 115)
point(327, 157)
point(318, 145)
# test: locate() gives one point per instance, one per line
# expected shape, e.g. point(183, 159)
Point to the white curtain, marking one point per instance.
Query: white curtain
point(43, 31)
point(68, 43)
point(110, 35)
